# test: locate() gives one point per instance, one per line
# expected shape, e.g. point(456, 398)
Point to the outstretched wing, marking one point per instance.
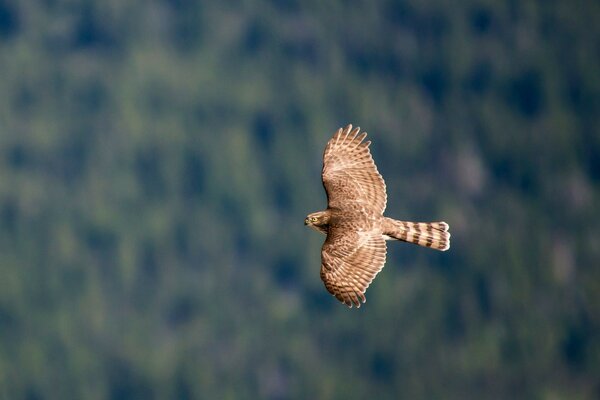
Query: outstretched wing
point(349, 173)
point(350, 260)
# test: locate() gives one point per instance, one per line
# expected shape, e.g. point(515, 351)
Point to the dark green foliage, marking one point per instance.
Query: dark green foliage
point(157, 159)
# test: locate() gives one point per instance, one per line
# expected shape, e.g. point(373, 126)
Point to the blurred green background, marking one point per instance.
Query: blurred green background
point(157, 159)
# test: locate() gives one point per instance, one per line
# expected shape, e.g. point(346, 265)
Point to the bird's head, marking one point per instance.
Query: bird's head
point(318, 221)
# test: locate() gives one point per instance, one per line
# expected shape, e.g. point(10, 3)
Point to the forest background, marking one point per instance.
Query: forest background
point(157, 160)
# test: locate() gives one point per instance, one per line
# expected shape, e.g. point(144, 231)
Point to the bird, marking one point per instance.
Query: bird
point(354, 251)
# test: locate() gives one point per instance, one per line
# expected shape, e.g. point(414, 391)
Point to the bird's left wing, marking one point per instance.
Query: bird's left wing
point(349, 173)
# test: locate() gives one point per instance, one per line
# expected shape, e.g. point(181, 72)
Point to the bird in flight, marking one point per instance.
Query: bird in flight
point(354, 251)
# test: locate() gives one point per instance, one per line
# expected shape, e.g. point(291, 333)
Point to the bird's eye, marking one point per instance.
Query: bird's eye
point(313, 219)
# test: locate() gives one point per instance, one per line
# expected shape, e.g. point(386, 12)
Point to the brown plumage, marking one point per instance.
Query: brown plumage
point(354, 250)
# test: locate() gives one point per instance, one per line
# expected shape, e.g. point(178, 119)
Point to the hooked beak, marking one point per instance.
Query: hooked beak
point(305, 221)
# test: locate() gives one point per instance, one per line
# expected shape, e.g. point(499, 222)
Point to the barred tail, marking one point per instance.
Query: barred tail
point(427, 234)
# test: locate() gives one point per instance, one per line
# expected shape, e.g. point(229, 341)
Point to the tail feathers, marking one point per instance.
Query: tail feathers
point(426, 234)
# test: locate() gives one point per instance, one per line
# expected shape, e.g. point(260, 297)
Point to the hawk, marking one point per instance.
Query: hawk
point(354, 251)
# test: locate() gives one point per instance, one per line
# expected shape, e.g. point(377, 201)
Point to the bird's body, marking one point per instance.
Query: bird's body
point(354, 250)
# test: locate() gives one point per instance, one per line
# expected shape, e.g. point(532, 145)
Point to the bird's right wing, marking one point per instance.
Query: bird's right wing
point(349, 263)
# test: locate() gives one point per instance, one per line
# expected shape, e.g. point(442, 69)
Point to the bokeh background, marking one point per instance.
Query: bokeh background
point(158, 157)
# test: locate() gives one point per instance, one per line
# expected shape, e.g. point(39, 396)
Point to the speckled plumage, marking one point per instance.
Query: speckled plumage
point(355, 249)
